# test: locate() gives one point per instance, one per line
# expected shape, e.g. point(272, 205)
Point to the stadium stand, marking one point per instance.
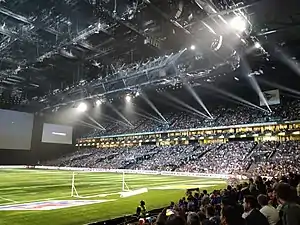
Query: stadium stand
point(239, 157)
point(222, 116)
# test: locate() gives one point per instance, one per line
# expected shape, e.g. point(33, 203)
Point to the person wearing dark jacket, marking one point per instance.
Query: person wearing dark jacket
point(231, 217)
point(260, 186)
point(252, 188)
point(289, 211)
point(252, 215)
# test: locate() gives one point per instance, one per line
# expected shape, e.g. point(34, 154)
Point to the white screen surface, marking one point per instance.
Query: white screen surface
point(58, 134)
point(15, 130)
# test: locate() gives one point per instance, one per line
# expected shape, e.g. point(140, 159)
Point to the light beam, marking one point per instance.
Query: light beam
point(197, 98)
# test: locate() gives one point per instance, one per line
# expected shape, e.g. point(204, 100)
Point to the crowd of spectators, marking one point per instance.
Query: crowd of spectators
point(268, 158)
point(166, 158)
point(256, 202)
point(222, 116)
point(227, 158)
point(281, 159)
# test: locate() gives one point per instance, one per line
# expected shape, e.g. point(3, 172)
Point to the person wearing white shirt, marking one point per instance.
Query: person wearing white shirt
point(267, 210)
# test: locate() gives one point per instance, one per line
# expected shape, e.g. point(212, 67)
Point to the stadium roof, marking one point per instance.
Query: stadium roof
point(59, 51)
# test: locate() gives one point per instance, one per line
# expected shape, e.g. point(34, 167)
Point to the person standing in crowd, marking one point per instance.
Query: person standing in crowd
point(289, 210)
point(211, 218)
point(260, 186)
point(239, 193)
point(272, 198)
point(245, 189)
point(196, 200)
point(205, 198)
point(293, 179)
point(251, 214)
point(268, 210)
point(229, 216)
point(216, 198)
point(193, 219)
point(252, 187)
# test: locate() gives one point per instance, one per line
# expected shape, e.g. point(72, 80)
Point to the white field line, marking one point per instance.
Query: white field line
point(8, 200)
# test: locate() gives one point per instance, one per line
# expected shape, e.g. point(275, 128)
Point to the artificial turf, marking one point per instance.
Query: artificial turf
point(24, 186)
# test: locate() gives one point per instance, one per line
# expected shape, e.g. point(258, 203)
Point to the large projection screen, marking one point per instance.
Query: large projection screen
point(57, 134)
point(15, 130)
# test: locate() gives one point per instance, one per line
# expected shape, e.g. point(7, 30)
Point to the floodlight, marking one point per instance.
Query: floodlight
point(238, 23)
point(98, 102)
point(193, 47)
point(137, 94)
point(82, 107)
point(128, 98)
point(257, 45)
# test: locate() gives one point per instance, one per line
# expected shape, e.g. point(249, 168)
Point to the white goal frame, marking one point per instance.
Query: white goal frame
point(74, 192)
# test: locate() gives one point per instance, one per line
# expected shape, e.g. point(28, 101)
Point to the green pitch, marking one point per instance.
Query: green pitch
point(25, 186)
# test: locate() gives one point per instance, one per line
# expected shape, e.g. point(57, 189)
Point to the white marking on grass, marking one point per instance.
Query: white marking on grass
point(8, 200)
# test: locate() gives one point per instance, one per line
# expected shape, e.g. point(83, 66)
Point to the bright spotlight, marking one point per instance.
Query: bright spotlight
point(257, 45)
point(98, 102)
point(238, 23)
point(193, 47)
point(82, 107)
point(128, 98)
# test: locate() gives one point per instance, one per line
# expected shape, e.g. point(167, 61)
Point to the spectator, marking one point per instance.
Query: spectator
point(216, 198)
point(252, 187)
point(260, 186)
point(289, 211)
point(229, 216)
point(267, 210)
point(272, 198)
point(202, 217)
point(191, 203)
point(178, 220)
point(212, 219)
point(205, 198)
point(251, 214)
point(193, 219)
point(245, 189)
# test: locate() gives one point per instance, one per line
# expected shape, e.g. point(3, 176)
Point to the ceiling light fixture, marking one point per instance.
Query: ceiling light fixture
point(238, 23)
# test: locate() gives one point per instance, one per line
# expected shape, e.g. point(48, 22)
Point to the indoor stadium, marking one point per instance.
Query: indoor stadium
point(145, 112)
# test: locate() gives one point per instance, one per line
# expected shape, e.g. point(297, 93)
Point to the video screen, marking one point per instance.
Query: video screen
point(57, 134)
point(15, 130)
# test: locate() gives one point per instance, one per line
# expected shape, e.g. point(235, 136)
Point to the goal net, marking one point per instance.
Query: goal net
point(124, 191)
